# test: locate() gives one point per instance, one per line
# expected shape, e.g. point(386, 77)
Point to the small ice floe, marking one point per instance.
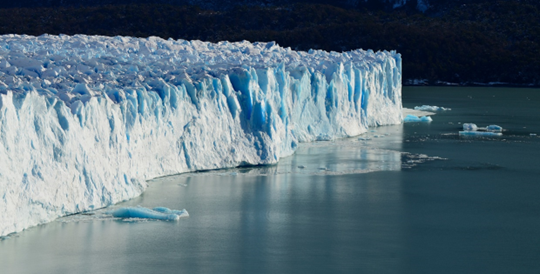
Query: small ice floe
point(412, 118)
point(158, 213)
point(494, 128)
point(411, 160)
point(533, 134)
point(471, 129)
point(181, 213)
point(364, 138)
point(431, 108)
point(478, 133)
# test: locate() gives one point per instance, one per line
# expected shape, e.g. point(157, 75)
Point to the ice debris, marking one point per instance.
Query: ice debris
point(473, 127)
point(494, 128)
point(469, 127)
point(86, 120)
point(429, 108)
point(412, 118)
point(478, 133)
point(158, 213)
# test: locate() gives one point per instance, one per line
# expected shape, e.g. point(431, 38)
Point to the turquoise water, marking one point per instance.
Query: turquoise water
point(415, 199)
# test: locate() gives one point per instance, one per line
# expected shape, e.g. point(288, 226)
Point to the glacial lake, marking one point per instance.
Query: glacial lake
point(411, 198)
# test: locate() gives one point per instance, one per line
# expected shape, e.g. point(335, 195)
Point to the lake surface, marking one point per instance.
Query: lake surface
point(417, 198)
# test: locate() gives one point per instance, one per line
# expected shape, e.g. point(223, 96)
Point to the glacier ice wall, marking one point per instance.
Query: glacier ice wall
point(85, 120)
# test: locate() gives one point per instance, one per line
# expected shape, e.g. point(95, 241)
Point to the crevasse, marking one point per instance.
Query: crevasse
point(85, 120)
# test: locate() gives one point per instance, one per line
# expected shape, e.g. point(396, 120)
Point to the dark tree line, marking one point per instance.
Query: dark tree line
point(495, 41)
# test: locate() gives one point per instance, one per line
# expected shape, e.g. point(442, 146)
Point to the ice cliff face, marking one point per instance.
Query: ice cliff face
point(85, 120)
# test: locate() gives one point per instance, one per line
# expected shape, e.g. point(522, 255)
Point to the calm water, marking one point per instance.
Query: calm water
point(415, 199)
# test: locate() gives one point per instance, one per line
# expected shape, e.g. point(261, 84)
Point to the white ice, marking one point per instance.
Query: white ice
point(478, 133)
point(431, 108)
point(407, 111)
point(86, 120)
point(473, 127)
point(469, 127)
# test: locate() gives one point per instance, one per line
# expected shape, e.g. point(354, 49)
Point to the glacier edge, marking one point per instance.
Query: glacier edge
point(90, 146)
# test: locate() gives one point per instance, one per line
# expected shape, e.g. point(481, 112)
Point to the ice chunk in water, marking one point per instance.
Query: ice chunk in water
point(469, 127)
point(478, 133)
point(431, 108)
point(412, 118)
point(181, 213)
point(159, 213)
point(494, 128)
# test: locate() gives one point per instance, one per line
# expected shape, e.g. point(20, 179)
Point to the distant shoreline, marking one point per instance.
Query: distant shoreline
point(469, 84)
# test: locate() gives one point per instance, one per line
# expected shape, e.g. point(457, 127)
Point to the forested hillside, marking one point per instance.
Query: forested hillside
point(481, 42)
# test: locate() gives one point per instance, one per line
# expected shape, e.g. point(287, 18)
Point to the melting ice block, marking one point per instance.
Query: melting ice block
point(86, 120)
point(159, 213)
point(469, 127)
point(181, 213)
point(413, 118)
point(494, 128)
point(478, 133)
point(431, 108)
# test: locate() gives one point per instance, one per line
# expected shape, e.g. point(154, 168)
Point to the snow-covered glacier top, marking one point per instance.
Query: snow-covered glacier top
point(85, 120)
point(80, 64)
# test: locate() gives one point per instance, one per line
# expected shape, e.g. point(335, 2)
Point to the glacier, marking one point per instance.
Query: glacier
point(86, 120)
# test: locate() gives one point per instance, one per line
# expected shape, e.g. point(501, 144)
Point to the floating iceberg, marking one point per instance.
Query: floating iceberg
point(158, 213)
point(429, 108)
point(478, 133)
point(181, 213)
point(413, 118)
point(494, 128)
point(86, 120)
point(469, 127)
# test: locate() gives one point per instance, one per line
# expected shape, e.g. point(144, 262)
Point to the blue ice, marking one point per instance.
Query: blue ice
point(494, 128)
point(478, 133)
point(158, 213)
point(412, 118)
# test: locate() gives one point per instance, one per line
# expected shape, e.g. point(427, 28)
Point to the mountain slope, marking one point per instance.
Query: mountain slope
point(482, 42)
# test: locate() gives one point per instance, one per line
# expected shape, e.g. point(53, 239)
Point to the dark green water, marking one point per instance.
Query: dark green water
point(376, 206)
